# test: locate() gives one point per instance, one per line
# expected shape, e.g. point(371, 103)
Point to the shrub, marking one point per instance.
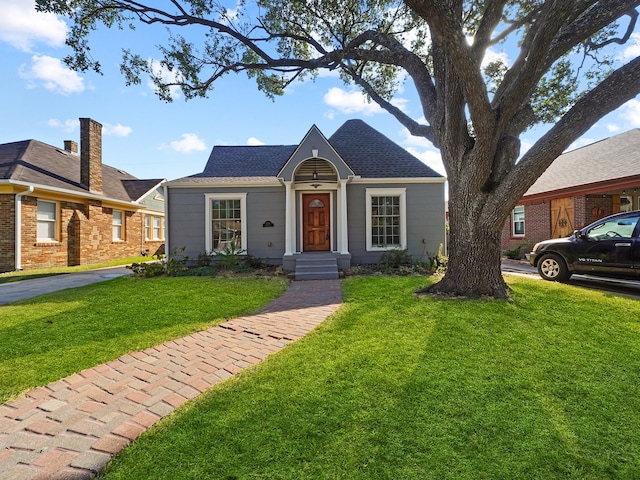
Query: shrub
point(162, 266)
point(229, 257)
point(394, 259)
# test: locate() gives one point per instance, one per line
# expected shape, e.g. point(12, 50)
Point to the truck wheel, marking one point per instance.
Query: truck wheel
point(552, 267)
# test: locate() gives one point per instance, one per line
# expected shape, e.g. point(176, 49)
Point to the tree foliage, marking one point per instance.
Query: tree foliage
point(474, 109)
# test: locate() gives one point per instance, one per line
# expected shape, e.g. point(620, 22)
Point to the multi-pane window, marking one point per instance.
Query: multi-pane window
point(118, 225)
point(226, 215)
point(226, 225)
point(153, 227)
point(385, 221)
point(47, 216)
point(517, 217)
point(386, 218)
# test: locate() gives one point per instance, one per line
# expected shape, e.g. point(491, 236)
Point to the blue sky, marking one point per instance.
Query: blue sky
point(42, 99)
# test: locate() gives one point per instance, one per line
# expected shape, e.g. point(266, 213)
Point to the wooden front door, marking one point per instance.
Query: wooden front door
point(315, 219)
point(562, 217)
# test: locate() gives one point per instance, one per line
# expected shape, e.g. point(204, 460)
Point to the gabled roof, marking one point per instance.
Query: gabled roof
point(372, 155)
point(366, 151)
point(36, 163)
point(614, 159)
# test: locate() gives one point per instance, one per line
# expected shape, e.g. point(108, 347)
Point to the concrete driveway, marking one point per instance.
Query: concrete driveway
point(14, 291)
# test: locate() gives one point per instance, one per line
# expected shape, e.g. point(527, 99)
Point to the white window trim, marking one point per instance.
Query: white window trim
point(208, 198)
point(513, 222)
point(389, 192)
point(56, 223)
point(121, 225)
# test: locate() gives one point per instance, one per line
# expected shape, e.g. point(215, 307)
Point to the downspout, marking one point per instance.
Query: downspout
point(18, 226)
point(165, 187)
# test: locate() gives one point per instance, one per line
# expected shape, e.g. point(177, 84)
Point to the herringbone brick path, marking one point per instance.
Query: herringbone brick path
point(71, 428)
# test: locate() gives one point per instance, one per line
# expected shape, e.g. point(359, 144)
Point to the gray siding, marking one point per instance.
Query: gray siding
point(152, 203)
point(187, 220)
point(425, 220)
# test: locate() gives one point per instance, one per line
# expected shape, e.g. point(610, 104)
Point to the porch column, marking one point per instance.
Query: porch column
point(343, 238)
point(288, 205)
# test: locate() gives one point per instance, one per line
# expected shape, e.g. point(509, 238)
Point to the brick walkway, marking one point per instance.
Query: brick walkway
point(71, 428)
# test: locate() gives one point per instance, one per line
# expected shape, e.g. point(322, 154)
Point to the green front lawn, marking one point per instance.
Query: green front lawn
point(52, 336)
point(546, 386)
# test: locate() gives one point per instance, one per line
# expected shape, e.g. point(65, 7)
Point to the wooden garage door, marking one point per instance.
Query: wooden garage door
point(562, 217)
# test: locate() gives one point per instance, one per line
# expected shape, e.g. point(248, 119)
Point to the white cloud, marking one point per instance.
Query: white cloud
point(353, 101)
point(494, 56)
point(633, 50)
point(253, 141)
point(189, 143)
point(52, 75)
point(431, 158)
point(65, 126)
point(631, 112)
point(22, 27)
point(423, 149)
point(613, 128)
point(116, 130)
point(167, 76)
point(350, 102)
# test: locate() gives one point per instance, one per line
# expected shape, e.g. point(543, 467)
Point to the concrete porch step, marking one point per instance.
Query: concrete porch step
point(316, 268)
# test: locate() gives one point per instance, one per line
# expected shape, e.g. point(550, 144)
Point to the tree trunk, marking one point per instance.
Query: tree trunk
point(474, 266)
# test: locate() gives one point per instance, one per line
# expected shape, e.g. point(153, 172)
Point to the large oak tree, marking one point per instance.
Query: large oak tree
point(474, 111)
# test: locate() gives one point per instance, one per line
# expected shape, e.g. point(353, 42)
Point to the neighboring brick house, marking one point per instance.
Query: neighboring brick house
point(578, 188)
point(58, 208)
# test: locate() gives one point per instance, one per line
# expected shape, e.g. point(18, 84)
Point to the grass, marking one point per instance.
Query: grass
point(52, 336)
point(18, 275)
point(546, 386)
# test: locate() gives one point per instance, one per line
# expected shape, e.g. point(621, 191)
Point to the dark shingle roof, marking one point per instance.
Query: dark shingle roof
point(367, 152)
point(616, 157)
point(372, 155)
point(243, 161)
point(34, 162)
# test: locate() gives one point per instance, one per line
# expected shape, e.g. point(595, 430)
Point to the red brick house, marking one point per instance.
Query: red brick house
point(58, 208)
point(578, 188)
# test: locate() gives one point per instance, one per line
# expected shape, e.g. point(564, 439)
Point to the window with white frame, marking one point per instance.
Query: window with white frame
point(386, 221)
point(517, 221)
point(118, 225)
point(47, 217)
point(154, 227)
point(626, 203)
point(226, 221)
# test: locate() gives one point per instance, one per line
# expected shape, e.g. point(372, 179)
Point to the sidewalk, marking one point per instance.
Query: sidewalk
point(71, 428)
point(14, 291)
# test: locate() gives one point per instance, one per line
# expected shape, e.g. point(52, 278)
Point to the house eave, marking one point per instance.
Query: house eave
point(73, 193)
point(399, 180)
point(586, 189)
point(223, 182)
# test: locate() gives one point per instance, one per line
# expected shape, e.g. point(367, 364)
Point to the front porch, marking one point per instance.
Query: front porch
point(316, 265)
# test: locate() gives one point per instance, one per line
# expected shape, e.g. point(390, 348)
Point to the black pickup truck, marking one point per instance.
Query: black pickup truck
point(609, 247)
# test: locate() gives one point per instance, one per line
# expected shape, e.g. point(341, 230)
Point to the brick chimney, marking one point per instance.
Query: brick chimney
point(71, 146)
point(91, 154)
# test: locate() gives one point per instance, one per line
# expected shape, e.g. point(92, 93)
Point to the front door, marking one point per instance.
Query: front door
point(315, 215)
point(562, 216)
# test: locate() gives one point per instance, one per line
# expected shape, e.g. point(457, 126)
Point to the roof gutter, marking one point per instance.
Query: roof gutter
point(18, 226)
point(75, 193)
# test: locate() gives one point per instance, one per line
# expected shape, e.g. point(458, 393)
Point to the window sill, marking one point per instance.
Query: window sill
point(46, 243)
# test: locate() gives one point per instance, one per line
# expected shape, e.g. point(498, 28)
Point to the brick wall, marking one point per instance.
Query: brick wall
point(537, 220)
point(85, 236)
point(537, 217)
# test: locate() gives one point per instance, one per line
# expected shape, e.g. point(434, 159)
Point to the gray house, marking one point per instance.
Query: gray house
point(314, 207)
